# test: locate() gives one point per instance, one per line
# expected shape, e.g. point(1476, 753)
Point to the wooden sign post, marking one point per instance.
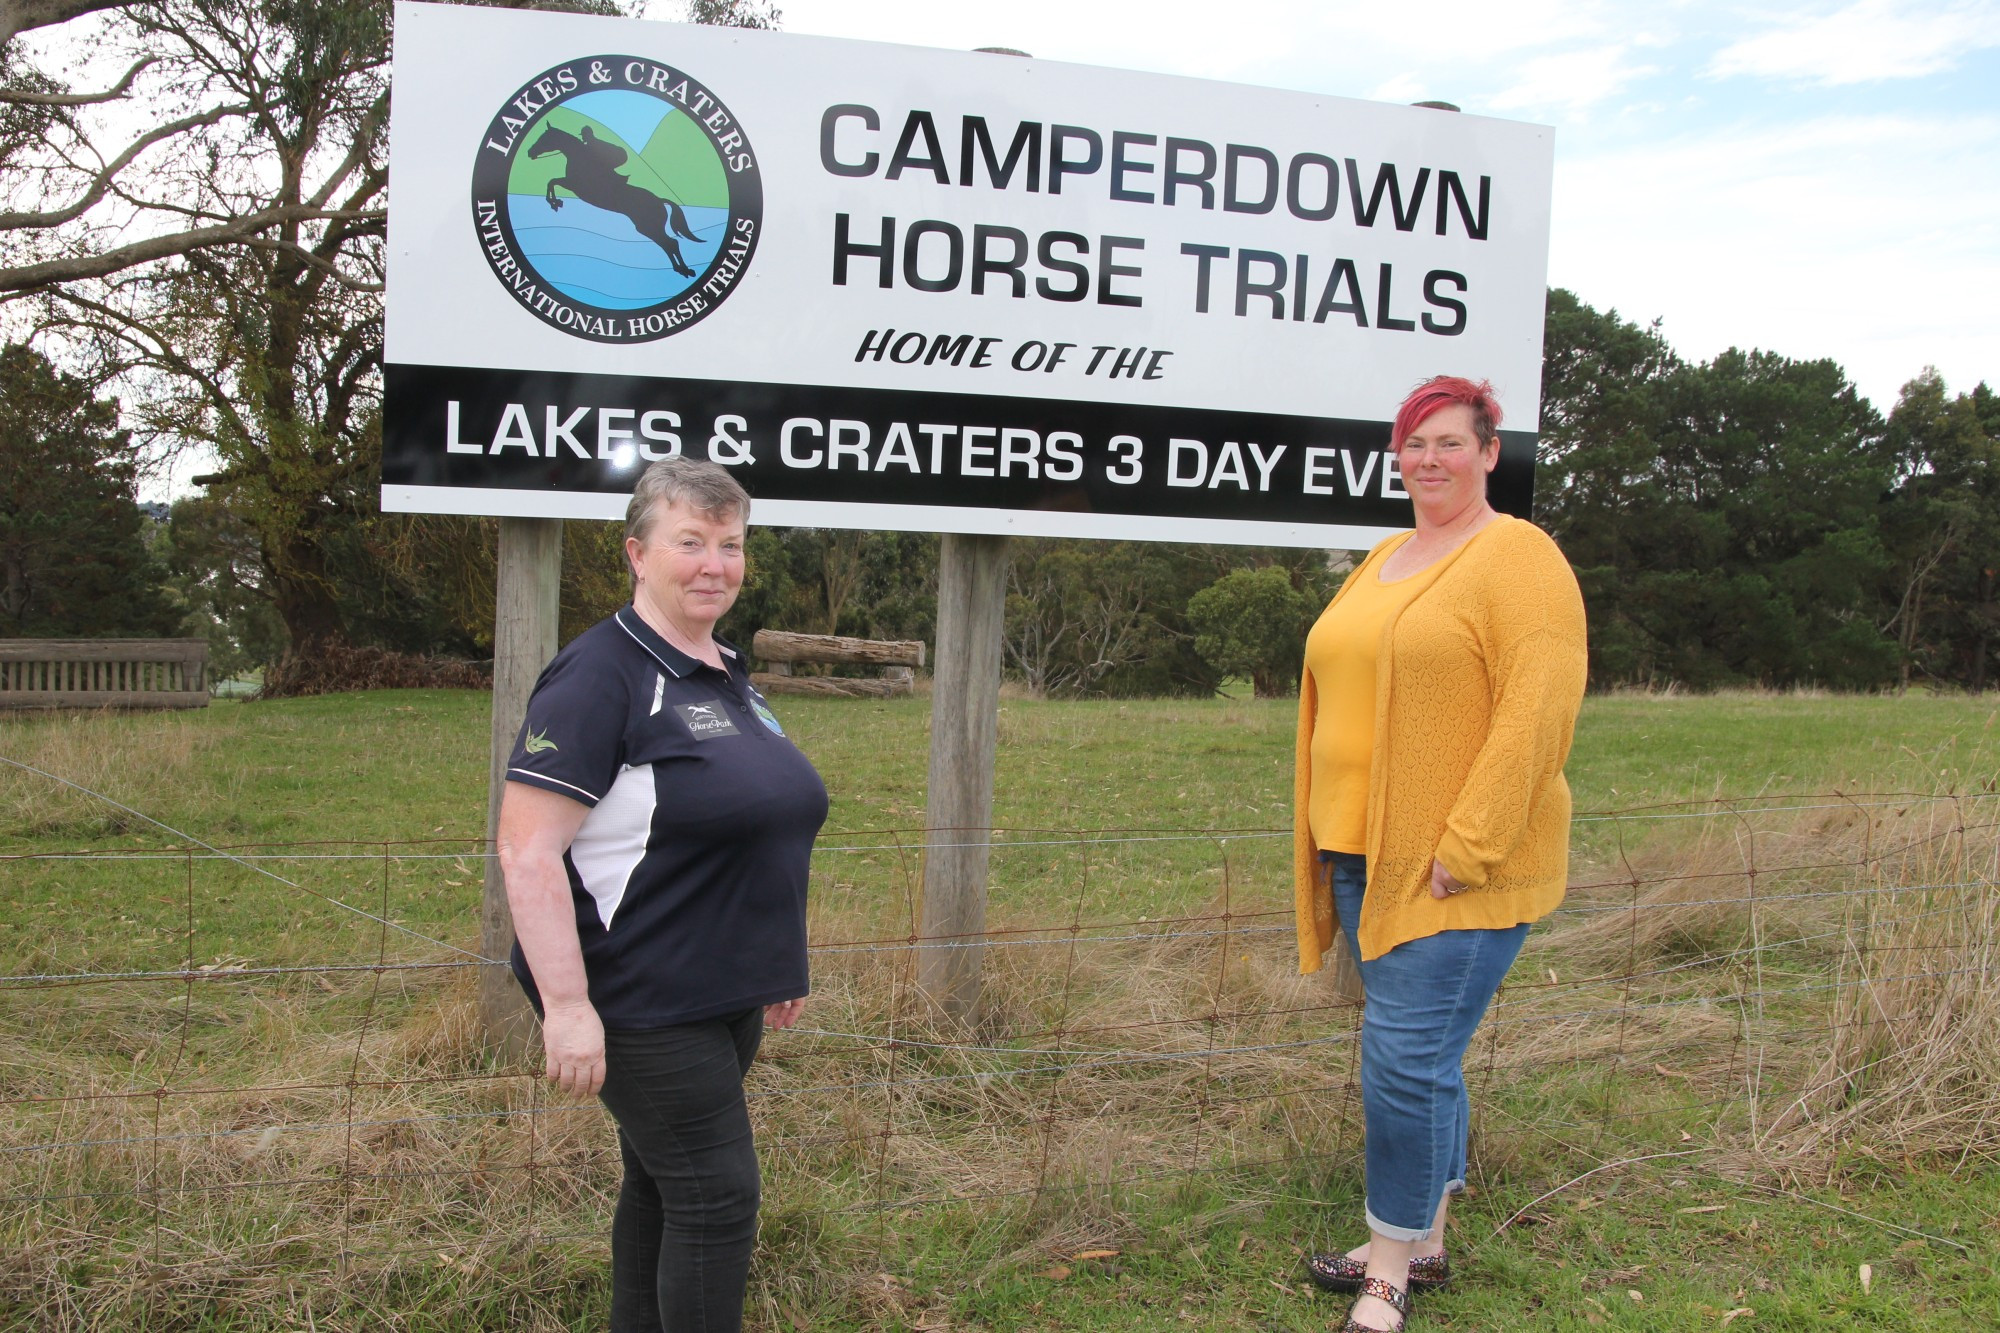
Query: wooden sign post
point(958, 818)
point(965, 739)
point(525, 613)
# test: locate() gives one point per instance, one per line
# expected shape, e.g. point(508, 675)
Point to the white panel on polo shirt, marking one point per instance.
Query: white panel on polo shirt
point(612, 839)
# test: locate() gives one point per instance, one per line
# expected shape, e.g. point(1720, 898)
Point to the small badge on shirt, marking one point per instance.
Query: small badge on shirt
point(765, 715)
point(707, 721)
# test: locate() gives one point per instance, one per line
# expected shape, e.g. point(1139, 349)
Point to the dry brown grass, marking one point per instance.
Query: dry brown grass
point(1783, 986)
point(1911, 1067)
point(1813, 979)
point(81, 748)
point(317, 1151)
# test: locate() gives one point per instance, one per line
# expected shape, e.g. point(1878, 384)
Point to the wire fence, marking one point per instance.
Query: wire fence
point(234, 1065)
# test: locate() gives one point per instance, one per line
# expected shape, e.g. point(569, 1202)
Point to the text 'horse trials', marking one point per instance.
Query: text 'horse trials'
point(592, 171)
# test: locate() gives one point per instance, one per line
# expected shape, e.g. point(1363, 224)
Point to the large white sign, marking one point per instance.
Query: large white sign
point(931, 290)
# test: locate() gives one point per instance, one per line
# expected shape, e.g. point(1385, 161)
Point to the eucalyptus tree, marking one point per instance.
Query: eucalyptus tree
point(145, 163)
point(264, 350)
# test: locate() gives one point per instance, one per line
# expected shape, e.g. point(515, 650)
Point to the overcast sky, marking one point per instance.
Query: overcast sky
point(1818, 180)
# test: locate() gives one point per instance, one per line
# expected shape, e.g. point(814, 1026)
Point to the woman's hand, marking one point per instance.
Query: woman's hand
point(784, 1014)
point(1443, 883)
point(573, 1038)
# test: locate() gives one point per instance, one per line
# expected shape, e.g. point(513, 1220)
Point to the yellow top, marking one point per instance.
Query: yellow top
point(1478, 682)
point(1340, 658)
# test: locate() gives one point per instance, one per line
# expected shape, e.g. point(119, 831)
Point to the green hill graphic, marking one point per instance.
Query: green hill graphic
point(677, 163)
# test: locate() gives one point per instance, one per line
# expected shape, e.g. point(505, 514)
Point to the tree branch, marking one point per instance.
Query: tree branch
point(156, 348)
point(91, 196)
point(296, 251)
point(357, 155)
point(29, 278)
point(340, 233)
point(19, 16)
point(123, 86)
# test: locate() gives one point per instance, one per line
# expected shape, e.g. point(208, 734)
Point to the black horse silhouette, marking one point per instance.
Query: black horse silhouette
point(592, 172)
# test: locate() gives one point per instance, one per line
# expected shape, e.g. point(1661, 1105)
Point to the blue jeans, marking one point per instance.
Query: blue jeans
point(1423, 999)
point(687, 1211)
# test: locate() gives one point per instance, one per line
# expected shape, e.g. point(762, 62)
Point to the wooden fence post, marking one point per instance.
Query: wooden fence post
point(958, 818)
point(525, 611)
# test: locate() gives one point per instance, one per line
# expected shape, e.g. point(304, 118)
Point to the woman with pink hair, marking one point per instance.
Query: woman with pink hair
point(1431, 826)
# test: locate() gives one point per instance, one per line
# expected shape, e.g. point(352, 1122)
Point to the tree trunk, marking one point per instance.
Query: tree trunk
point(302, 592)
point(1909, 644)
point(14, 589)
point(1986, 621)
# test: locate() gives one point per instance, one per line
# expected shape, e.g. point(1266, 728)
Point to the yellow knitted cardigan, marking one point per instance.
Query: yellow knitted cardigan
point(1477, 690)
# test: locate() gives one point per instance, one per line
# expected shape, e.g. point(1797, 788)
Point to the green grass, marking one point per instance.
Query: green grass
point(1632, 749)
point(410, 766)
point(1208, 1223)
point(404, 764)
point(1226, 1254)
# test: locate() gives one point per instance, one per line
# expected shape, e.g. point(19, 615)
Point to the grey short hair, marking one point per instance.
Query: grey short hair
point(705, 487)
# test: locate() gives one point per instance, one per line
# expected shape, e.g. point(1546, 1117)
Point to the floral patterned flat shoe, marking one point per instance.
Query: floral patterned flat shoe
point(1337, 1272)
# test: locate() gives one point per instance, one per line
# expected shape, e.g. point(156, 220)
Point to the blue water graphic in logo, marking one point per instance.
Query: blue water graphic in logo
point(597, 257)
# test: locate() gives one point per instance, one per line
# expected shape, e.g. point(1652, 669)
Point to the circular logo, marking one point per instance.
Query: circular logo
point(617, 199)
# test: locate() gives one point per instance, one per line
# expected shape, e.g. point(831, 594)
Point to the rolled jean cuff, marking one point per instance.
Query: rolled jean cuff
point(1381, 1228)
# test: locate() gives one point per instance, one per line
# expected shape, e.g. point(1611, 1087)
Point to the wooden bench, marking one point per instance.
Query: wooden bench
point(780, 651)
point(103, 673)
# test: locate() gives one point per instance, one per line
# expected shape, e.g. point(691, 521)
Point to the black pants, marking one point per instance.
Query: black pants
point(687, 1211)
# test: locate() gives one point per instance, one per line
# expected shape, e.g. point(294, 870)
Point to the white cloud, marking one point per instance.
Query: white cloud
point(1401, 88)
point(1569, 81)
point(1865, 42)
point(1343, 46)
point(1873, 240)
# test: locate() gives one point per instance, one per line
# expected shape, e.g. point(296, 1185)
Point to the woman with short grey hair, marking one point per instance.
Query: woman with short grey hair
point(655, 834)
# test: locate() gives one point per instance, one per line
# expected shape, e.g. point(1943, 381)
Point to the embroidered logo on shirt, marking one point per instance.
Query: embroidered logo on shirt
point(536, 744)
point(706, 720)
point(766, 716)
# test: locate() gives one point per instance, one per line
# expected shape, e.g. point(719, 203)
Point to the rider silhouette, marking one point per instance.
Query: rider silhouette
point(600, 157)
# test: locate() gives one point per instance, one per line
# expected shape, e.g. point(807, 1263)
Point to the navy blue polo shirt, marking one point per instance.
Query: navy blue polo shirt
point(689, 873)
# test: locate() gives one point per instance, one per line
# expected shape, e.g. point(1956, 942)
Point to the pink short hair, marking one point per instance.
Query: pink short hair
point(1443, 391)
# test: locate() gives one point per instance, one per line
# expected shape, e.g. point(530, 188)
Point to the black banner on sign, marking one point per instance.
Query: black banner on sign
point(467, 430)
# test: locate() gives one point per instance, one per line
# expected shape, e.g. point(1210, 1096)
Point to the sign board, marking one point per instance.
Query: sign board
point(910, 289)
